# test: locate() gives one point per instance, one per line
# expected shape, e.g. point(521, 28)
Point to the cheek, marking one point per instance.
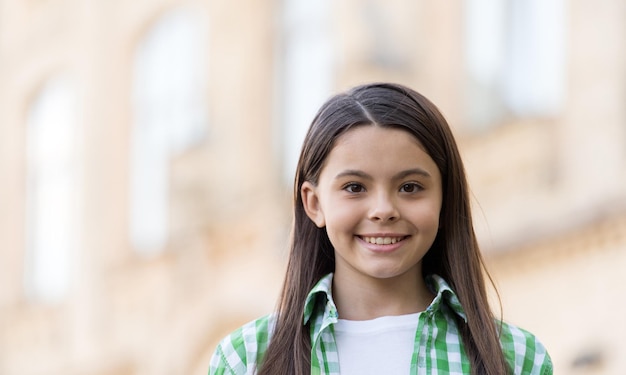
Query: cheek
point(428, 216)
point(338, 216)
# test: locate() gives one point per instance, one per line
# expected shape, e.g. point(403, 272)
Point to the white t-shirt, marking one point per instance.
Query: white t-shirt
point(379, 346)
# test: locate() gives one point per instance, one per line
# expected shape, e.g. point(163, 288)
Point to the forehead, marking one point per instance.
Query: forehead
point(363, 133)
point(375, 147)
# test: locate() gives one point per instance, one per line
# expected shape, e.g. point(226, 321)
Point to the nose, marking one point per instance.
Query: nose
point(384, 208)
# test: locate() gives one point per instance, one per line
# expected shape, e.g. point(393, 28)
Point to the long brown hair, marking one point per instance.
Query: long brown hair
point(454, 254)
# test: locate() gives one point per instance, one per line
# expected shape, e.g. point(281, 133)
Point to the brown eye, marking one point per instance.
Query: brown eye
point(354, 188)
point(410, 188)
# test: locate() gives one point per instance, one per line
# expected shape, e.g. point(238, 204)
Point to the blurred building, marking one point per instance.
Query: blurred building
point(140, 202)
point(147, 150)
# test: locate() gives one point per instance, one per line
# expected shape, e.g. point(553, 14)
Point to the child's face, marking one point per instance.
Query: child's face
point(379, 197)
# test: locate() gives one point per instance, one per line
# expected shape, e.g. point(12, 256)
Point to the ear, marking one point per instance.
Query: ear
point(311, 203)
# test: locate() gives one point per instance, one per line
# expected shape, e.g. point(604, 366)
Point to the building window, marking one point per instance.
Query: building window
point(516, 59)
point(53, 190)
point(170, 116)
point(308, 79)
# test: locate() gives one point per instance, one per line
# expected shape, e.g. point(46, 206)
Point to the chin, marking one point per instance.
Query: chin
point(384, 274)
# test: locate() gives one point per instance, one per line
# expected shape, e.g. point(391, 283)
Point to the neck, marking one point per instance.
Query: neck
point(364, 298)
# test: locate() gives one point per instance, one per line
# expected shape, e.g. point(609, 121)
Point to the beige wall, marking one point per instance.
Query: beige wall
point(568, 290)
point(127, 314)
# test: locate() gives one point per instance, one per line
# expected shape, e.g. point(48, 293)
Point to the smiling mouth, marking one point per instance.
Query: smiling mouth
point(382, 240)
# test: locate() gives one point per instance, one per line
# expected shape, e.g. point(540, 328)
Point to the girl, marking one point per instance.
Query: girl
point(384, 273)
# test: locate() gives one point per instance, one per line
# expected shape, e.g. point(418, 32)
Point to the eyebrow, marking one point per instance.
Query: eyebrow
point(398, 176)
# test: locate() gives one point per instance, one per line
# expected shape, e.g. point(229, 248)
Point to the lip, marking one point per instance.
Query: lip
point(381, 248)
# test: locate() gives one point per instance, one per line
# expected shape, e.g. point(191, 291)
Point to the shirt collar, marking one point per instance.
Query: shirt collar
point(443, 294)
point(322, 288)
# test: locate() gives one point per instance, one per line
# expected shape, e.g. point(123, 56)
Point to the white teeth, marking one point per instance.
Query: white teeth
point(382, 240)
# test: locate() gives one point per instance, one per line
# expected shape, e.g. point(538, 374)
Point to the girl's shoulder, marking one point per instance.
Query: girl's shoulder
point(524, 352)
point(241, 351)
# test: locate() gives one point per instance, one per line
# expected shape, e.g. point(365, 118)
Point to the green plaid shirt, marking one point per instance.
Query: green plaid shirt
point(438, 345)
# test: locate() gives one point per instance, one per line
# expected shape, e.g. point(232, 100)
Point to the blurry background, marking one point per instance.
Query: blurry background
point(147, 149)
